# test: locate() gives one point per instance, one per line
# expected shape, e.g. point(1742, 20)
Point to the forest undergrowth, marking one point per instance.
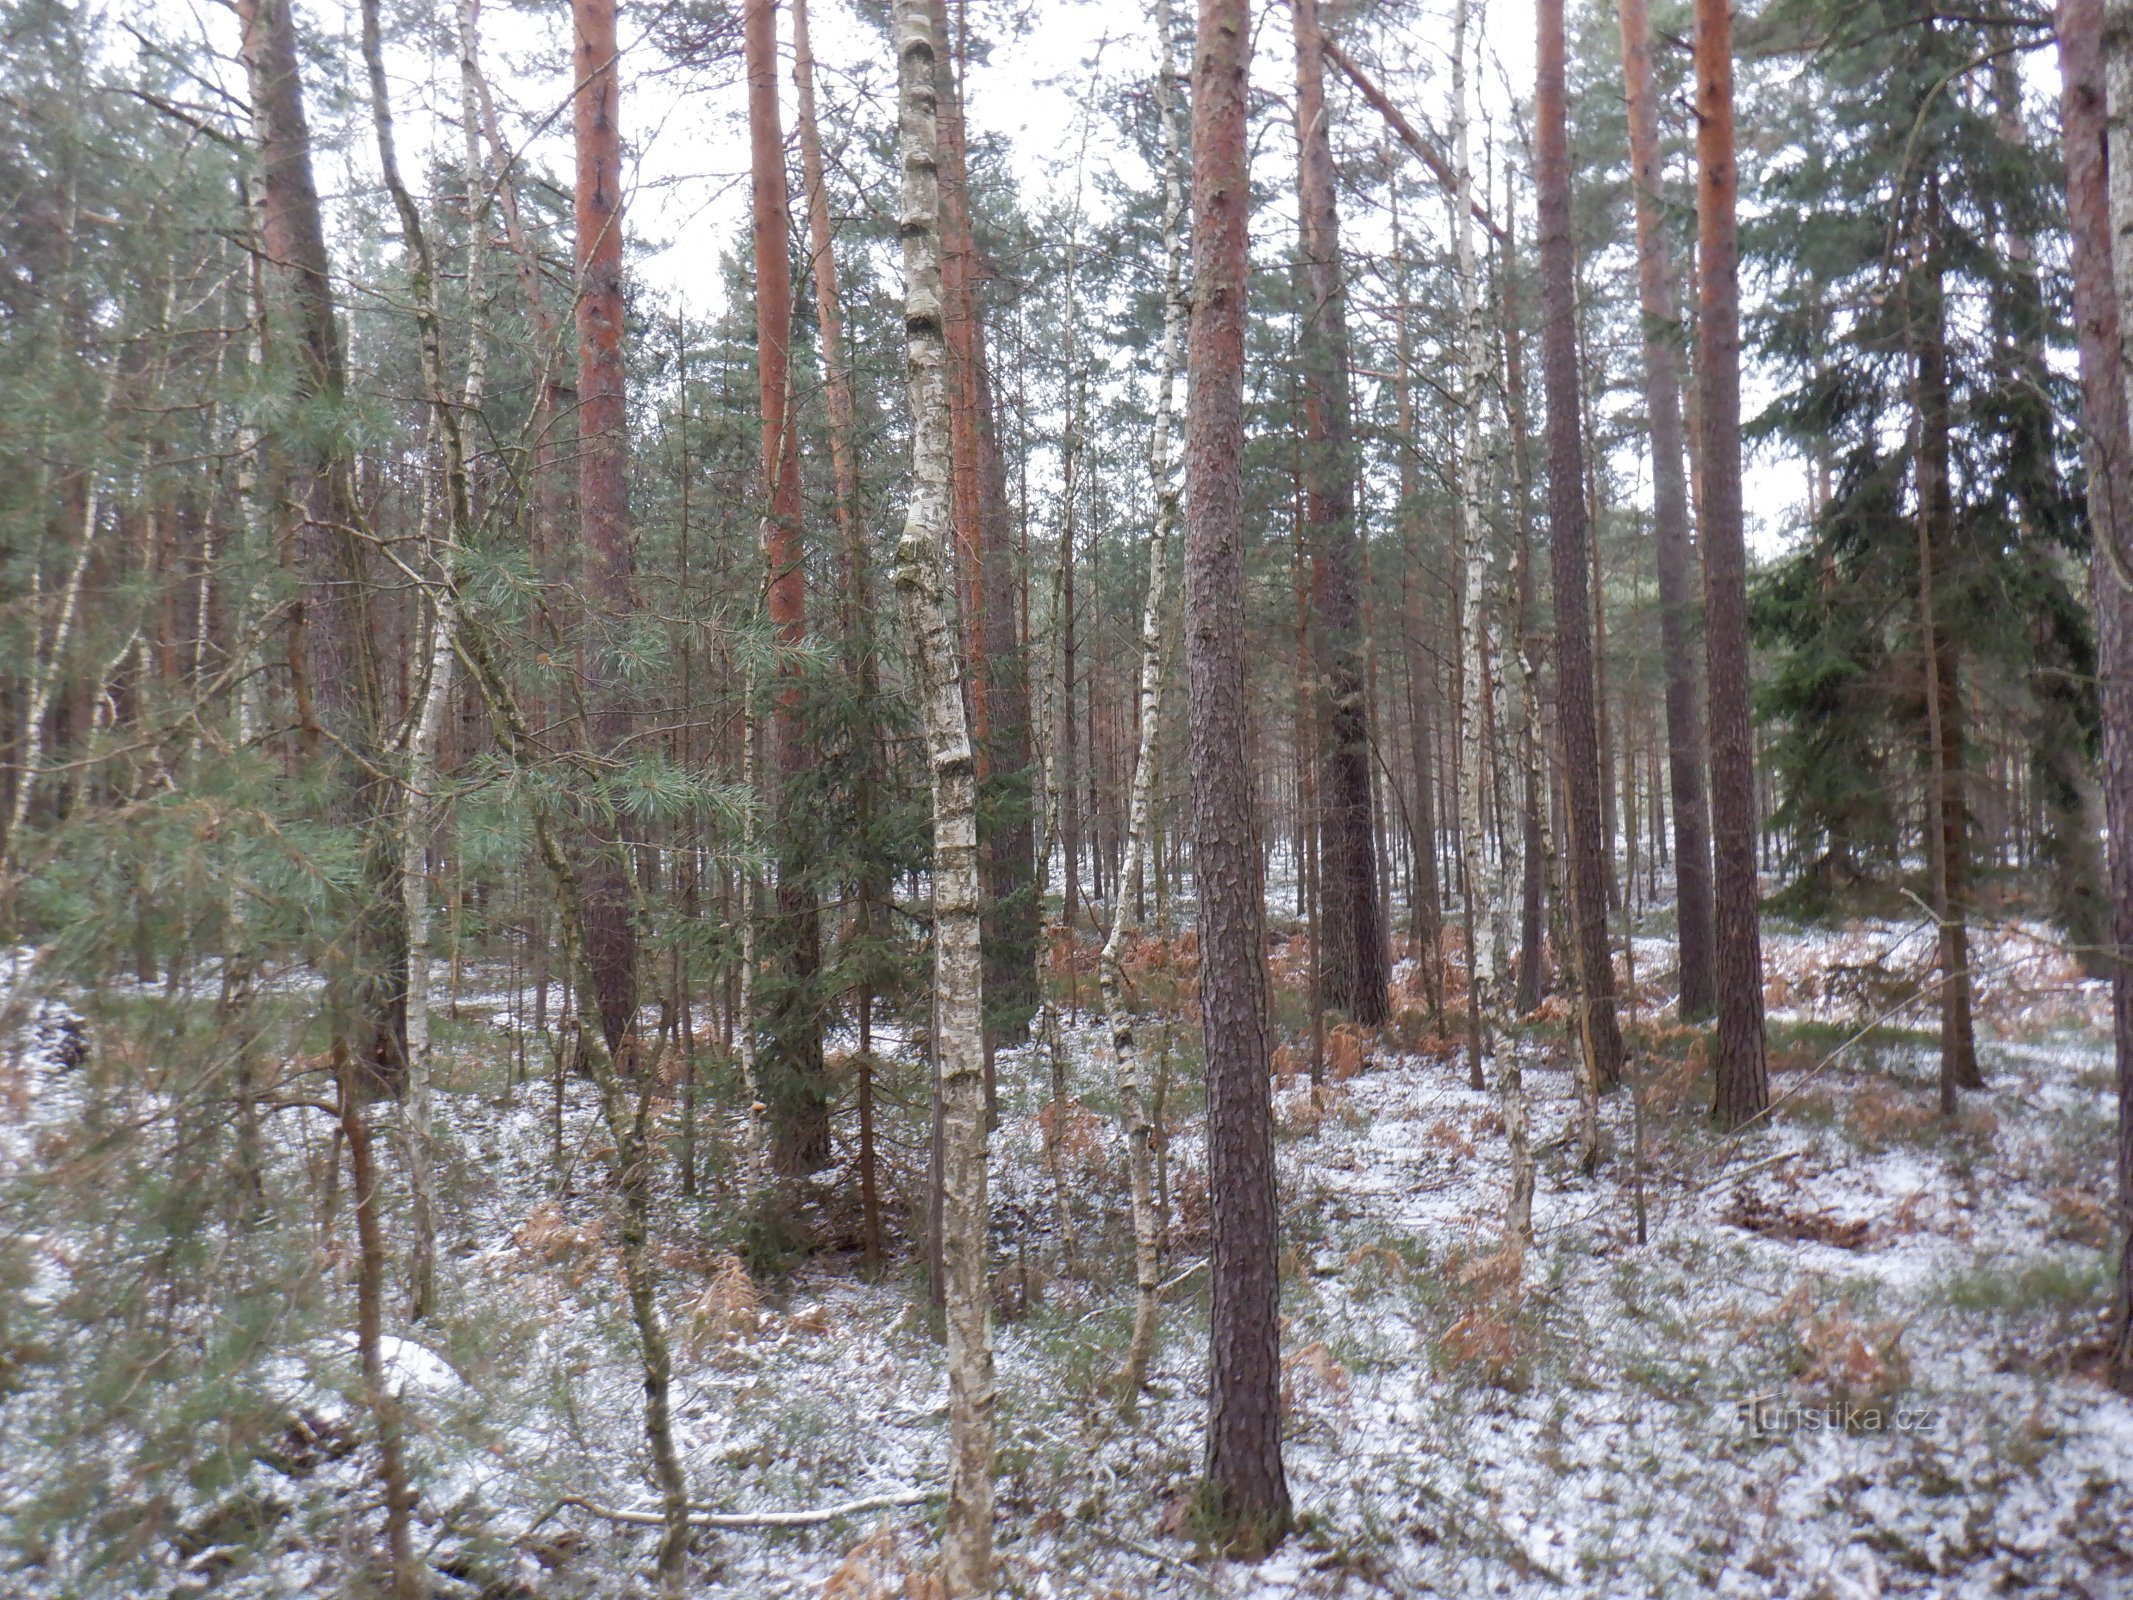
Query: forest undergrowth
point(1854, 1352)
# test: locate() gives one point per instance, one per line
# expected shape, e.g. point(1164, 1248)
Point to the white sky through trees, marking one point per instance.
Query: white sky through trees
point(1037, 88)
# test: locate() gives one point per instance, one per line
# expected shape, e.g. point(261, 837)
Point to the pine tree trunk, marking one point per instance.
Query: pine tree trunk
point(1571, 562)
point(333, 670)
point(1743, 1089)
point(1248, 1492)
point(2098, 206)
point(923, 577)
point(1355, 966)
point(872, 890)
point(379, 1398)
point(1426, 897)
point(1947, 813)
point(790, 1067)
point(603, 505)
point(1066, 774)
point(998, 688)
point(1675, 559)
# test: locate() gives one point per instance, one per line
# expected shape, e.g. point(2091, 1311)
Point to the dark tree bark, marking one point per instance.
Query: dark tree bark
point(1355, 968)
point(789, 1063)
point(1570, 564)
point(1008, 808)
point(1947, 812)
point(1743, 1087)
point(1068, 779)
point(334, 673)
point(1426, 897)
point(1244, 1474)
point(2107, 452)
point(333, 670)
point(1676, 560)
point(603, 503)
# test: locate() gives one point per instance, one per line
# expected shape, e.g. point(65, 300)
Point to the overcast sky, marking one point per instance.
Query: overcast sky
point(687, 199)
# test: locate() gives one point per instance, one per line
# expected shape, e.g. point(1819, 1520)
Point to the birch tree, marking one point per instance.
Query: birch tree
point(1155, 669)
point(924, 580)
point(1488, 893)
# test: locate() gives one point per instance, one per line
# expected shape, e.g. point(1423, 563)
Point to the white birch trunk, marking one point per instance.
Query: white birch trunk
point(46, 659)
point(44, 676)
point(1488, 893)
point(1059, 708)
point(421, 814)
point(923, 579)
point(2118, 168)
point(1155, 657)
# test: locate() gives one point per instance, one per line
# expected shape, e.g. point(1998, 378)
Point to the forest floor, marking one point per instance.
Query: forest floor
point(1853, 1355)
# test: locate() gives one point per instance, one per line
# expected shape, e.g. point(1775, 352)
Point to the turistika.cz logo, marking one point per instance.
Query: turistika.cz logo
point(1767, 1416)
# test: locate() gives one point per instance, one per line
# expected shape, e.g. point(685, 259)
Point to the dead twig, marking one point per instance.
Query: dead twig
point(747, 1519)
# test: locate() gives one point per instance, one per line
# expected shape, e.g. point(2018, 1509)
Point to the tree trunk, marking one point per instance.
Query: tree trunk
point(1539, 848)
point(1066, 777)
point(1571, 561)
point(871, 898)
point(1743, 1089)
point(1248, 1492)
point(790, 1065)
point(379, 1398)
point(1355, 966)
point(924, 578)
point(1155, 660)
point(333, 670)
point(1947, 814)
point(2096, 206)
point(1485, 890)
point(603, 504)
point(1488, 924)
point(1675, 559)
point(1426, 895)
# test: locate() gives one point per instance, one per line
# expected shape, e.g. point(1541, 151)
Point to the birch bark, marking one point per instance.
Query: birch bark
point(924, 580)
point(1155, 662)
point(2098, 317)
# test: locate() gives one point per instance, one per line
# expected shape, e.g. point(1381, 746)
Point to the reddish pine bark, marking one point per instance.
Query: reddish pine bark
point(1676, 560)
point(790, 1071)
point(603, 497)
point(1354, 964)
point(872, 890)
point(998, 691)
point(2108, 453)
point(1570, 559)
point(1244, 1472)
point(1743, 1087)
point(958, 272)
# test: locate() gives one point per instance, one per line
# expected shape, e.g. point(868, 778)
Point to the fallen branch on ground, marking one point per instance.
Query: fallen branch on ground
point(1161, 1289)
point(749, 1519)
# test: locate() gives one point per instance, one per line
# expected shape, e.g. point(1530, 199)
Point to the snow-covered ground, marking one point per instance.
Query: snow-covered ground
point(1853, 1355)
